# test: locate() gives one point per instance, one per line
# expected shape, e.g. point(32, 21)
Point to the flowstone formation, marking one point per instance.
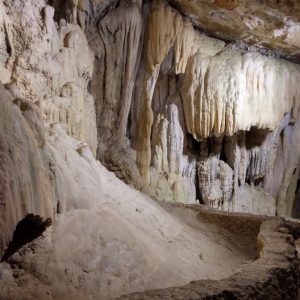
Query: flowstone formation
point(186, 116)
point(107, 107)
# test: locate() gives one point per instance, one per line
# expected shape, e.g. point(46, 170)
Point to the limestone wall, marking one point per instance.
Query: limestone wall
point(192, 117)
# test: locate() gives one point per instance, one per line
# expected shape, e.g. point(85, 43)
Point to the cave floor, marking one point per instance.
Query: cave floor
point(127, 244)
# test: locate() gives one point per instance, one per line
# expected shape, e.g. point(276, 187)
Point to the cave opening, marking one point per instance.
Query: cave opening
point(128, 126)
point(223, 156)
point(60, 7)
point(193, 146)
point(28, 229)
point(296, 204)
point(258, 181)
point(255, 137)
point(197, 188)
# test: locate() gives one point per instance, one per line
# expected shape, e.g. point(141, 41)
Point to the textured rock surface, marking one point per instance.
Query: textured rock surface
point(47, 84)
point(177, 114)
point(188, 117)
point(272, 24)
point(276, 273)
point(116, 46)
point(26, 183)
point(43, 66)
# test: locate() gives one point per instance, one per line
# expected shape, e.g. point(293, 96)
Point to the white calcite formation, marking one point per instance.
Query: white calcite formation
point(45, 69)
point(26, 183)
point(171, 111)
point(49, 64)
point(208, 97)
point(231, 92)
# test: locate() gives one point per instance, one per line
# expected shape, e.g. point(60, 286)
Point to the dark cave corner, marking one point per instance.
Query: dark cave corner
point(296, 205)
point(27, 230)
point(255, 137)
point(199, 196)
point(224, 147)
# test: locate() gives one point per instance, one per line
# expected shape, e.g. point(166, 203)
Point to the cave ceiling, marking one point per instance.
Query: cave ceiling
point(266, 24)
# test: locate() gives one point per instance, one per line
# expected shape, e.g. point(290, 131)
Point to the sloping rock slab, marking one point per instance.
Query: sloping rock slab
point(273, 275)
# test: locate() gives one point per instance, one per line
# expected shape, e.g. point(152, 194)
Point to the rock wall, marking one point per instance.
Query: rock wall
point(270, 25)
point(189, 117)
point(45, 69)
point(26, 183)
point(49, 64)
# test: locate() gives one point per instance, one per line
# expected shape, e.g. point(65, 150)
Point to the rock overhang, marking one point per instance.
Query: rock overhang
point(267, 25)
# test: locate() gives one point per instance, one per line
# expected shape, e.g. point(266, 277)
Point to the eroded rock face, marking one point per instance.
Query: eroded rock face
point(26, 183)
point(45, 84)
point(271, 24)
point(116, 44)
point(206, 120)
point(42, 65)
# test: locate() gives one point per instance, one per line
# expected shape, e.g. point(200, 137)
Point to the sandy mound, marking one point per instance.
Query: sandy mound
point(111, 239)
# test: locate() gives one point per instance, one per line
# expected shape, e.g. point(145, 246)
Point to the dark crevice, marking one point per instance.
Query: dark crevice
point(248, 180)
point(117, 4)
point(241, 139)
point(197, 187)
point(89, 87)
point(296, 205)
point(223, 152)
point(61, 8)
point(255, 137)
point(27, 230)
point(58, 208)
point(282, 137)
point(7, 43)
point(129, 124)
point(210, 146)
point(194, 147)
point(259, 180)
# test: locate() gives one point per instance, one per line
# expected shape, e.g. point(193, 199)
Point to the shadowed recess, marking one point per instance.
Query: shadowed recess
point(27, 230)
